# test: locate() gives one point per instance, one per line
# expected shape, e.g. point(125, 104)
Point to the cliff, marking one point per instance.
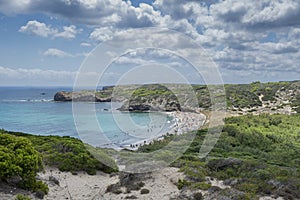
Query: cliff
point(86, 96)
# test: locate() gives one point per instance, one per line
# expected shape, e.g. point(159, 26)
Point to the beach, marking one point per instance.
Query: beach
point(181, 122)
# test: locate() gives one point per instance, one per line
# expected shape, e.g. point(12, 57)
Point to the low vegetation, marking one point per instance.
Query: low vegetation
point(256, 155)
point(22, 197)
point(66, 153)
point(239, 97)
point(23, 155)
point(19, 163)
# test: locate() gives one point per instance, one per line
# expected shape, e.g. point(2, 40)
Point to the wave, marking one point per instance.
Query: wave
point(26, 100)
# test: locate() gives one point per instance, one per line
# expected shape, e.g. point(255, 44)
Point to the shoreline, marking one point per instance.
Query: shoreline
point(181, 123)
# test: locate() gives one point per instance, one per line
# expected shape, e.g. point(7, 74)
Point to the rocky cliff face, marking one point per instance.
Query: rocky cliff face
point(86, 96)
point(135, 105)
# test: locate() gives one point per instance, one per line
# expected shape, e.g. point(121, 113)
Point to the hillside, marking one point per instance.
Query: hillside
point(256, 155)
point(256, 98)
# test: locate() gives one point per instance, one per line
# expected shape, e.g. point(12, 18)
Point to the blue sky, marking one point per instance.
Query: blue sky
point(45, 42)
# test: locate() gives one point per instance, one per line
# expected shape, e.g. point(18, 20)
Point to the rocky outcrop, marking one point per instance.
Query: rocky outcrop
point(86, 96)
point(254, 98)
point(162, 104)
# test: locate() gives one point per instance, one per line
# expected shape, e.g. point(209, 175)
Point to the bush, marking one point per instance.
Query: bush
point(182, 183)
point(70, 154)
point(202, 186)
point(18, 158)
point(22, 197)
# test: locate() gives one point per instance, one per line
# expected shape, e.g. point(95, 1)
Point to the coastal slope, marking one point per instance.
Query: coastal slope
point(255, 98)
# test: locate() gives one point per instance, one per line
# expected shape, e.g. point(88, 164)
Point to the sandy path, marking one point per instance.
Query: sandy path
point(81, 186)
point(85, 187)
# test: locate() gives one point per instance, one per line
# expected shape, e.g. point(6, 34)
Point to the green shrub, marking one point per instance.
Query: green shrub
point(22, 197)
point(183, 183)
point(70, 154)
point(19, 158)
point(202, 186)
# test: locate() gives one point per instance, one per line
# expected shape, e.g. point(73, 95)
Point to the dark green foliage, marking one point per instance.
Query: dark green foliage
point(269, 147)
point(261, 153)
point(203, 95)
point(156, 144)
point(18, 158)
point(197, 196)
point(22, 197)
point(131, 182)
point(296, 103)
point(183, 183)
point(234, 194)
point(242, 96)
point(66, 153)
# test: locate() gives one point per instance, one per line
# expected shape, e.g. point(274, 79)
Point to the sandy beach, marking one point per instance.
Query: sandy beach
point(181, 122)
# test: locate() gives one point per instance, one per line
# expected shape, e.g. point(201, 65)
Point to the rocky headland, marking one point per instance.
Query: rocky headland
point(241, 99)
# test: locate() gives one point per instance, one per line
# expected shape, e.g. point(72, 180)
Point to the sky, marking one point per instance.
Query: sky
point(44, 43)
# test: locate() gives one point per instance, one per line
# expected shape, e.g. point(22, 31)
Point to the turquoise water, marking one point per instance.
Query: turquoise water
point(32, 110)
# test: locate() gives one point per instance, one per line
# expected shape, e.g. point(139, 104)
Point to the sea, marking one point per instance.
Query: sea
point(32, 110)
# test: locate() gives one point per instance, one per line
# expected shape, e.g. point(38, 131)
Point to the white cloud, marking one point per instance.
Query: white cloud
point(239, 35)
point(92, 12)
point(38, 28)
point(57, 53)
point(41, 29)
point(85, 44)
point(69, 32)
point(102, 34)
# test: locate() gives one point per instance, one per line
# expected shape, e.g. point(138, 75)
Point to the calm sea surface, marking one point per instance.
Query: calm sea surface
point(32, 110)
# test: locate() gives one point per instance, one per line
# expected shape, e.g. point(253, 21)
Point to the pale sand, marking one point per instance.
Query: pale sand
point(161, 184)
point(81, 186)
point(85, 187)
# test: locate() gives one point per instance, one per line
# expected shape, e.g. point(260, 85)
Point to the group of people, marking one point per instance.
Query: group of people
point(181, 122)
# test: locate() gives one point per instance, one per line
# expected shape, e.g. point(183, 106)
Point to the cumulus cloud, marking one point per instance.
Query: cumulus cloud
point(102, 34)
point(41, 29)
point(69, 32)
point(57, 53)
point(239, 35)
point(95, 12)
point(37, 28)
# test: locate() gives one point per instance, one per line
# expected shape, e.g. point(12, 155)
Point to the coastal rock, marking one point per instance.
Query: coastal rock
point(63, 96)
point(83, 96)
point(54, 180)
point(157, 104)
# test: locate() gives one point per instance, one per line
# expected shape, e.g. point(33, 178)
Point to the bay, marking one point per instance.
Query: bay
point(32, 110)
